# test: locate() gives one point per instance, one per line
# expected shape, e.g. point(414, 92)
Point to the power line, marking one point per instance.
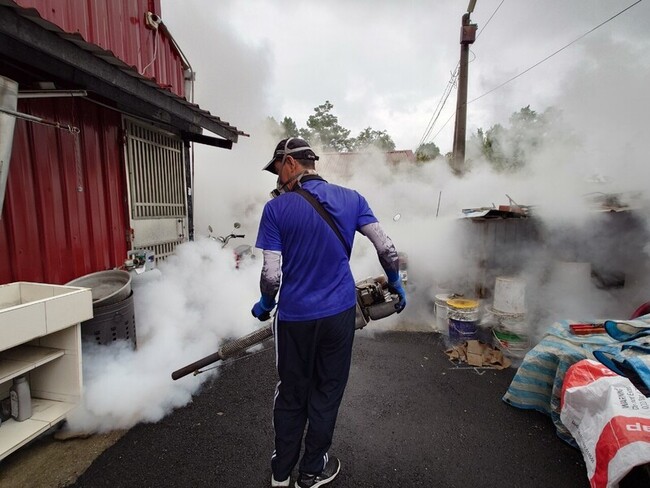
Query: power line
point(444, 125)
point(448, 89)
point(441, 103)
point(543, 60)
point(556, 52)
point(488, 20)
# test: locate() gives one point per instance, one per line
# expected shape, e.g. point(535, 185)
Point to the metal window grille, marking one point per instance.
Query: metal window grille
point(163, 250)
point(156, 173)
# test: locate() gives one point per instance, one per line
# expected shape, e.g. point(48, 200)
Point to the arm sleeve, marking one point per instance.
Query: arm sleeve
point(385, 249)
point(271, 272)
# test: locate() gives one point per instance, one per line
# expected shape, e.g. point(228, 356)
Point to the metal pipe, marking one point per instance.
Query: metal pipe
point(228, 350)
point(52, 93)
point(32, 118)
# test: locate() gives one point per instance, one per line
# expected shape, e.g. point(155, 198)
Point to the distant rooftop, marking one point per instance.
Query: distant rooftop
point(344, 162)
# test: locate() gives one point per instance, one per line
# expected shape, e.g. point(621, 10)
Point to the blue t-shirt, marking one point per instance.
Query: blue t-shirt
point(316, 277)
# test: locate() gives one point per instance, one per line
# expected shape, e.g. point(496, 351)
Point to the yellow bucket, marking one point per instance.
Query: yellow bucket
point(462, 304)
point(462, 315)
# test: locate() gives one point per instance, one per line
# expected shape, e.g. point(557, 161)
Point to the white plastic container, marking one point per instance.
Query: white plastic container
point(441, 312)
point(512, 334)
point(21, 400)
point(510, 295)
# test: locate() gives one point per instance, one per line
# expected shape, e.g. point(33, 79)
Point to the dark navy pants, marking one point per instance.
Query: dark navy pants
point(313, 362)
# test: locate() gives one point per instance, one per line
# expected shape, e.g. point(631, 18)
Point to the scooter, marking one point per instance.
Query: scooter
point(243, 251)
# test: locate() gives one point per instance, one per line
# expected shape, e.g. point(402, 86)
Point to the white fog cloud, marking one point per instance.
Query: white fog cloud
point(383, 64)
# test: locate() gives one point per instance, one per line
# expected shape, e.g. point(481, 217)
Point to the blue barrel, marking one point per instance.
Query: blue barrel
point(463, 317)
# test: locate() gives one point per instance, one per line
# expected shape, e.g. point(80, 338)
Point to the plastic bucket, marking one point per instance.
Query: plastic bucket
point(510, 295)
point(462, 318)
point(511, 344)
point(511, 333)
point(510, 322)
point(440, 312)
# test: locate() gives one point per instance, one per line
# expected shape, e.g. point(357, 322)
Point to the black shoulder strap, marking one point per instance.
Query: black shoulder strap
point(326, 216)
point(311, 177)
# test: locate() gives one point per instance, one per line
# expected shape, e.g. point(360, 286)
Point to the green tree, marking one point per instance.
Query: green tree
point(289, 127)
point(281, 130)
point(490, 146)
point(524, 117)
point(370, 137)
point(323, 129)
point(508, 149)
point(427, 152)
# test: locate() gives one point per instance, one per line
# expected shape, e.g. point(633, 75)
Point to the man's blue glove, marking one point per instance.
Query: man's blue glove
point(395, 286)
point(262, 309)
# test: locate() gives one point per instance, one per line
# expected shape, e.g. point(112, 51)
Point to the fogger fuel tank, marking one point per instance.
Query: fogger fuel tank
point(374, 301)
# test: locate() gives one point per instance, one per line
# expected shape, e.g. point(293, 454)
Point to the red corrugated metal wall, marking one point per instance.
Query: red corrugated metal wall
point(64, 213)
point(118, 26)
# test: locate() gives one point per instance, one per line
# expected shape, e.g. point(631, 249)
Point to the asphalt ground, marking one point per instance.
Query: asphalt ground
point(409, 418)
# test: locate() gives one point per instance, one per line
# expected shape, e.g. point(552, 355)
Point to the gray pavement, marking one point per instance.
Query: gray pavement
point(409, 418)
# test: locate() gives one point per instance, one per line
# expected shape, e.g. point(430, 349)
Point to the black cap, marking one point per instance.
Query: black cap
point(294, 146)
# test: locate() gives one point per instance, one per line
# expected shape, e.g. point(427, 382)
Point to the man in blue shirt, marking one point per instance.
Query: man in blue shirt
point(314, 323)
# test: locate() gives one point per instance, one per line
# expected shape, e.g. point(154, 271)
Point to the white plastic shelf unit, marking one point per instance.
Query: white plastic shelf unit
point(40, 337)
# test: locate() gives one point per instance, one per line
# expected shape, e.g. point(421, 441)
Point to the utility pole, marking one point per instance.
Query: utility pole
point(467, 37)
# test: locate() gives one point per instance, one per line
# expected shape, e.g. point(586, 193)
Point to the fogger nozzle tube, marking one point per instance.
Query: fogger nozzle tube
point(373, 303)
point(226, 351)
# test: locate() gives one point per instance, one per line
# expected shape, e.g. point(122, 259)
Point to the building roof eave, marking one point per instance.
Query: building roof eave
point(35, 41)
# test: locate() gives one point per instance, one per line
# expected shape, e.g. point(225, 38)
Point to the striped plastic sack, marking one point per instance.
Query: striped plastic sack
point(608, 418)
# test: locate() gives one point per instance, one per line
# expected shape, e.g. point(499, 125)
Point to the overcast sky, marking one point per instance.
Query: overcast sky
point(386, 63)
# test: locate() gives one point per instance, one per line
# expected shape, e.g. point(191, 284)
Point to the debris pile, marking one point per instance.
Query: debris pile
point(478, 354)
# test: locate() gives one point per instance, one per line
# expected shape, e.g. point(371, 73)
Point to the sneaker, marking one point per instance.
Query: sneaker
point(275, 482)
point(330, 471)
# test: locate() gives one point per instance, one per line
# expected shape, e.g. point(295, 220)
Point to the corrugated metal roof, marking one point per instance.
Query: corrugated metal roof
point(84, 14)
point(116, 26)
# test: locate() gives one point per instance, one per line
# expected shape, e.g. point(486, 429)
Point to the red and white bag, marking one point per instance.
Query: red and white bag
point(609, 419)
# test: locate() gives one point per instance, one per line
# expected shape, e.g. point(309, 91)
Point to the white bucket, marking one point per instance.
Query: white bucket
point(512, 345)
point(511, 322)
point(511, 333)
point(441, 312)
point(510, 295)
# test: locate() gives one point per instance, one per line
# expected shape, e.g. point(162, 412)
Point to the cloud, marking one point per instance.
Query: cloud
point(385, 64)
